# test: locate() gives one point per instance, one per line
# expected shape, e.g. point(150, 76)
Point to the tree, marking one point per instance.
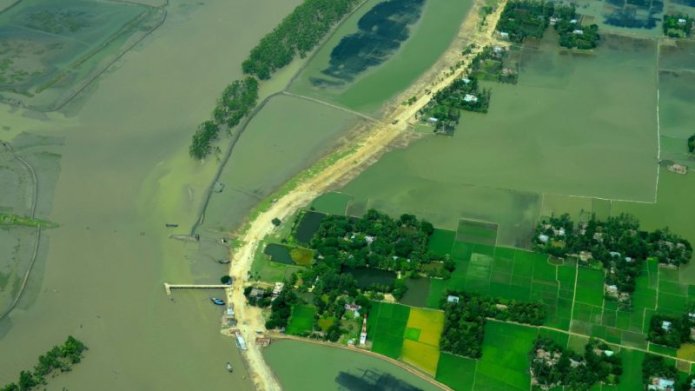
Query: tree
point(691, 144)
point(226, 280)
point(276, 222)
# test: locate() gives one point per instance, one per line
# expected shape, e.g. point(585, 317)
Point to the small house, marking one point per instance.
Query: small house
point(585, 256)
point(432, 120)
point(678, 169)
point(452, 299)
point(465, 80)
point(277, 289)
point(263, 341)
point(543, 238)
point(470, 98)
point(682, 21)
point(666, 325)
point(661, 384)
point(553, 20)
point(504, 35)
point(578, 32)
point(573, 21)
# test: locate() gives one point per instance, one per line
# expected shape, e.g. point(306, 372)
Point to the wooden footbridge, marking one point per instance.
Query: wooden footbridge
point(168, 287)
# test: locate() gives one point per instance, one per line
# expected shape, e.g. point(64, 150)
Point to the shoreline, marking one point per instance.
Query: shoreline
point(343, 164)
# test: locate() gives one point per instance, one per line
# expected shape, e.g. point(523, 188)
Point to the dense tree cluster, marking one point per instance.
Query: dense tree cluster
point(445, 106)
point(572, 34)
point(489, 64)
point(297, 34)
point(526, 18)
point(464, 320)
point(657, 367)
point(618, 243)
point(677, 26)
point(61, 357)
point(375, 240)
point(552, 365)
point(281, 309)
point(691, 144)
point(237, 101)
point(530, 18)
point(671, 330)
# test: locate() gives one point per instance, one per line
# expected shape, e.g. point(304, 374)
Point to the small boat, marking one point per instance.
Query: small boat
point(170, 225)
point(229, 367)
point(217, 301)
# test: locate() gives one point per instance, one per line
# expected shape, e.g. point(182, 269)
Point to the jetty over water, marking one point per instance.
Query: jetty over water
point(168, 287)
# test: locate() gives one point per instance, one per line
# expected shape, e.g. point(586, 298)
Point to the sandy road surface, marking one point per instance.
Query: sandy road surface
point(366, 149)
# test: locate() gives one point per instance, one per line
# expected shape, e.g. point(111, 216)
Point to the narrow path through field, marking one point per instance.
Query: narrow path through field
point(323, 102)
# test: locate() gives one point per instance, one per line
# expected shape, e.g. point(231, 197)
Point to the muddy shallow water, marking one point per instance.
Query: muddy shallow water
point(99, 275)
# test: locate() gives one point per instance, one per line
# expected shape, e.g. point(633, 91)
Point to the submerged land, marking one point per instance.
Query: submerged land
point(497, 190)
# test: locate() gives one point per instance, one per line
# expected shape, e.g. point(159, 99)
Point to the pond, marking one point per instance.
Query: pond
point(326, 368)
point(307, 227)
point(368, 277)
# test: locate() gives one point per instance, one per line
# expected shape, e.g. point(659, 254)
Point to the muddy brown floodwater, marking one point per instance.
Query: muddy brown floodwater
point(124, 173)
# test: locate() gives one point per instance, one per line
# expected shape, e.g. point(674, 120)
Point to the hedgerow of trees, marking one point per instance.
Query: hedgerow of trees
point(464, 321)
point(618, 243)
point(237, 101)
point(677, 26)
point(691, 144)
point(552, 365)
point(61, 357)
point(296, 35)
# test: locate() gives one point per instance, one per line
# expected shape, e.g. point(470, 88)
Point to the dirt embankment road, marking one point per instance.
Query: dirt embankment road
point(365, 150)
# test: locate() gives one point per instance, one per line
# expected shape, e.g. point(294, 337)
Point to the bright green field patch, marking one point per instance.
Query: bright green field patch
point(412, 333)
point(332, 203)
point(590, 286)
point(441, 241)
point(504, 364)
point(386, 326)
point(302, 319)
point(478, 232)
point(456, 372)
point(669, 351)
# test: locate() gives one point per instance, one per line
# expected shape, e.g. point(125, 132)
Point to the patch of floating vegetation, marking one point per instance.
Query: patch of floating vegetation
point(381, 32)
point(643, 14)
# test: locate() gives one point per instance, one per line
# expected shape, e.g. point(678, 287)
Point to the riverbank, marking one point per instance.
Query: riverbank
point(338, 167)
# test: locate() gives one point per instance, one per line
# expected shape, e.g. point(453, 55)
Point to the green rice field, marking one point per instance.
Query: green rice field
point(332, 203)
point(301, 320)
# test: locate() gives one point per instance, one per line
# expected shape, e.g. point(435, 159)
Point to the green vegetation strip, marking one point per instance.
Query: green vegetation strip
point(10, 219)
point(61, 357)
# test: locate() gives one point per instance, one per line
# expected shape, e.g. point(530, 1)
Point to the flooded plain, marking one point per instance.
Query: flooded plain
point(117, 169)
point(99, 275)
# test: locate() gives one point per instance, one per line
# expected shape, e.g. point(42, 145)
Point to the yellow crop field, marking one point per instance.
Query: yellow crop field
point(421, 355)
point(429, 322)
